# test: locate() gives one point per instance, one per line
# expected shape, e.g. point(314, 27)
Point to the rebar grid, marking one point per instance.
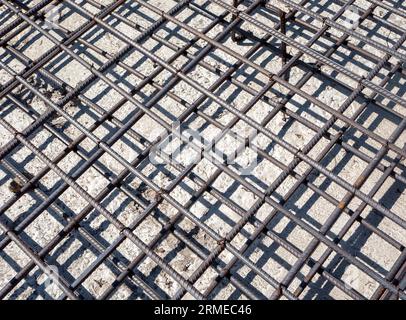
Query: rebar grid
point(97, 203)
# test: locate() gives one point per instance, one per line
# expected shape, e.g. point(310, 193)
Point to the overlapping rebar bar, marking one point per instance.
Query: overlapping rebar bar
point(302, 37)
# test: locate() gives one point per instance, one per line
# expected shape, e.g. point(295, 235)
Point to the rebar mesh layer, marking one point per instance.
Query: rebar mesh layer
point(109, 189)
